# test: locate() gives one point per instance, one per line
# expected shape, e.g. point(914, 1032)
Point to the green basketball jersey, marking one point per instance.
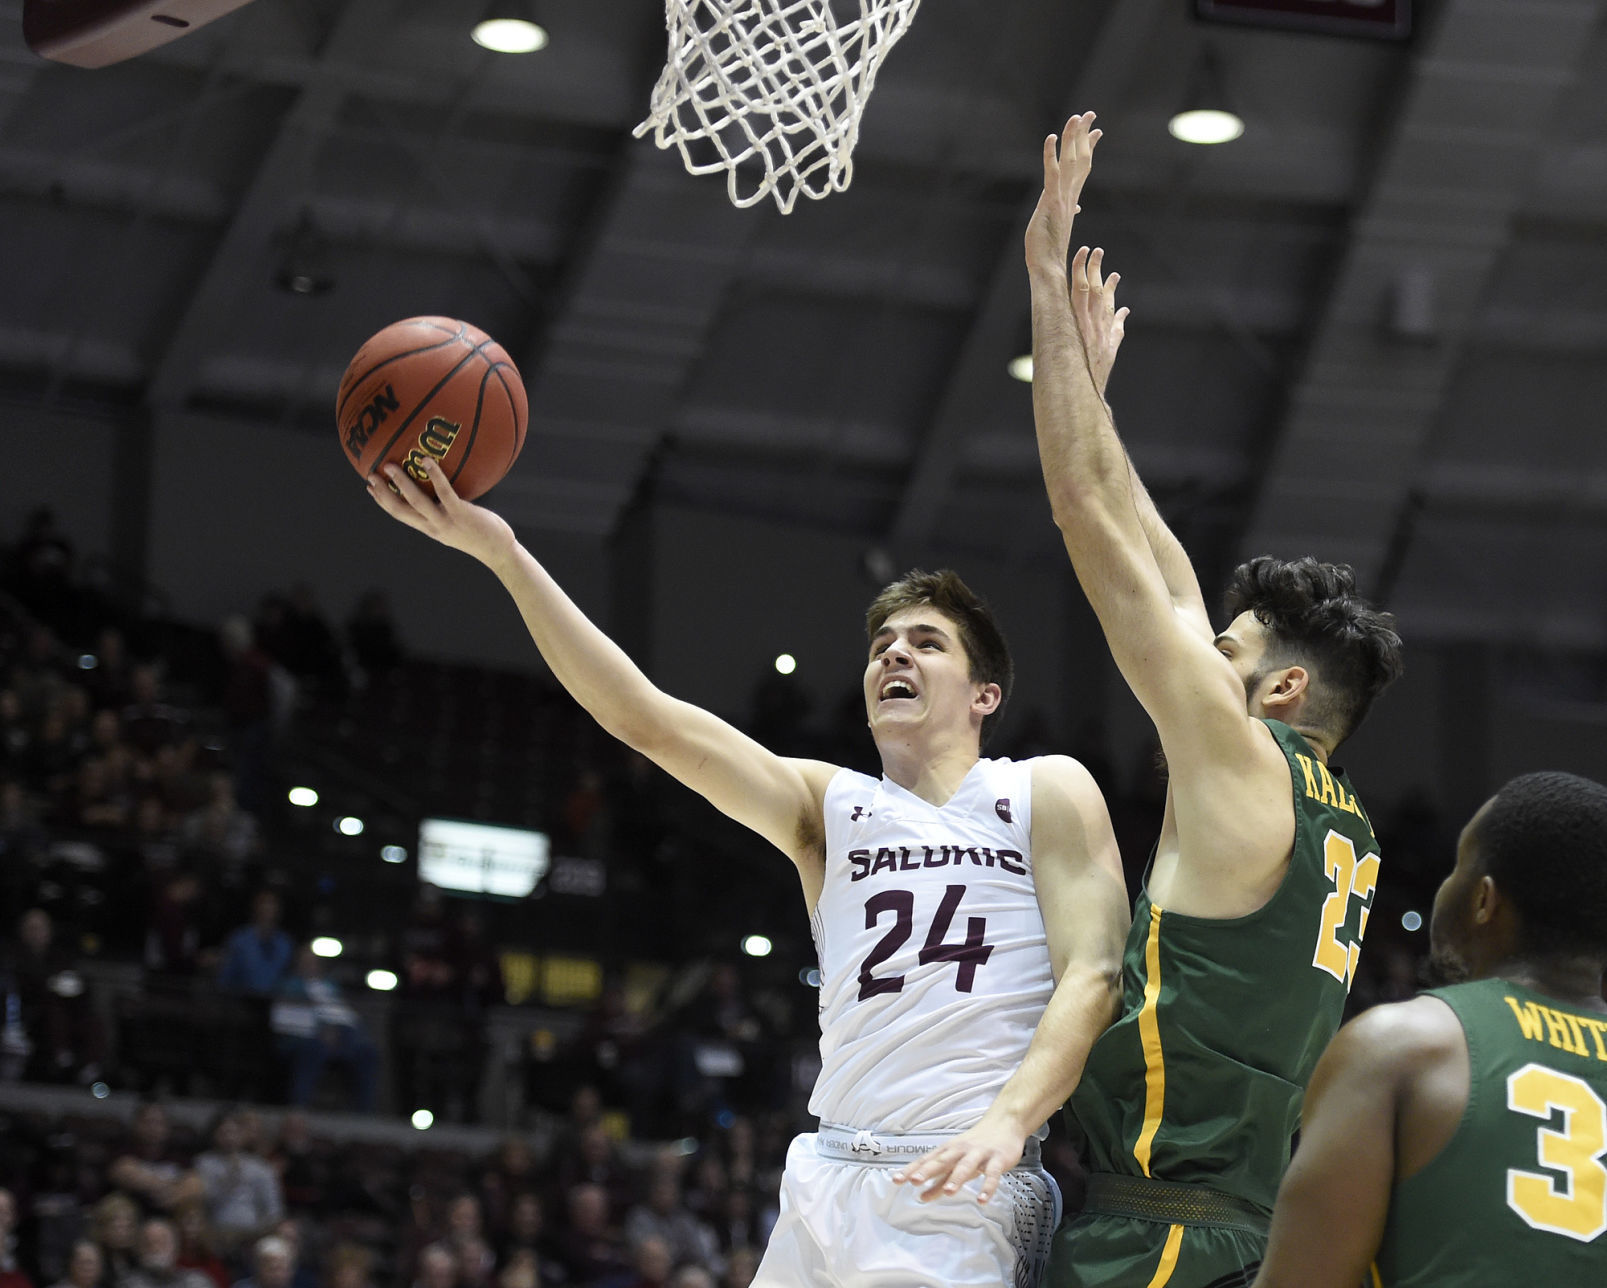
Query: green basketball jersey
point(1519, 1195)
point(1200, 1081)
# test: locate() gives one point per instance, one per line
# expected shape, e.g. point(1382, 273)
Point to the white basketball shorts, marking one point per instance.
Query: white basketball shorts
point(846, 1225)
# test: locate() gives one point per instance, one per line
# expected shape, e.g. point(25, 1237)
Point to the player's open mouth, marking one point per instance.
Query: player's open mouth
point(897, 689)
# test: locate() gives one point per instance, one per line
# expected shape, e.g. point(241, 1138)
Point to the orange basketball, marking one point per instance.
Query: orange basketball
point(437, 387)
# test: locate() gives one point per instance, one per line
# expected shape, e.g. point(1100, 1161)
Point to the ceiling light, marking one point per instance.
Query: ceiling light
point(1020, 368)
point(349, 826)
point(423, 1119)
point(382, 981)
point(1205, 125)
point(508, 27)
point(303, 796)
point(1206, 115)
point(324, 946)
point(756, 946)
point(786, 664)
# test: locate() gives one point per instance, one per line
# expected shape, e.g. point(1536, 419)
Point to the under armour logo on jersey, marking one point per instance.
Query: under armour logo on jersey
point(859, 812)
point(1001, 807)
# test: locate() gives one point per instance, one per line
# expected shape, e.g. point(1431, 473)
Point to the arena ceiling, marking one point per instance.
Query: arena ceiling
point(1372, 328)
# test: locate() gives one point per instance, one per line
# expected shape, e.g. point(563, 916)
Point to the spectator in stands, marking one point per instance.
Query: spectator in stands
point(523, 1271)
point(595, 1159)
point(196, 1251)
point(248, 702)
point(372, 637)
point(653, 1263)
point(256, 956)
point(316, 1027)
point(159, 1260)
point(525, 1230)
point(348, 1265)
point(242, 1195)
point(302, 1275)
point(95, 801)
point(173, 938)
point(16, 737)
point(111, 681)
point(273, 1263)
point(663, 1217)
point(302, 1165)
point(437, 1268)
point(54, 1007)
point(11, 1274)
point(115, 1227)
point(220, 834)
point(22, 845)
point(692, 1277)
point(513, 1173)
point(588, 1248)
point(439, 1031)
point(150, 1168)
point(86, 1268)
point(150, 722)
point(741, 1265)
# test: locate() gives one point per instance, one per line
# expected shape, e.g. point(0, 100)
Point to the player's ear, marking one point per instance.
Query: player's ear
point(1291, 685)
point(1486, 898)
point(988, 699)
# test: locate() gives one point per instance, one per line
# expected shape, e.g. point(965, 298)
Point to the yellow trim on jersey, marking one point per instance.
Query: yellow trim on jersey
point(1378, 1279)
point(1174, 1245)
point(1149, 1032)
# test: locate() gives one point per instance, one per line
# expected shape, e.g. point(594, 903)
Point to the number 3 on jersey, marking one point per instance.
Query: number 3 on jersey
point(967, 955)
point(1353, 879)
point(1579, 1209)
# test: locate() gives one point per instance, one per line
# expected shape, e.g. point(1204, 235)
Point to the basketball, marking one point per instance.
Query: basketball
point(437, 387)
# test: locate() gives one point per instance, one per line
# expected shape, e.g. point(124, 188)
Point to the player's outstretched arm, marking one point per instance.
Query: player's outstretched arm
point(1077, 870)
point(776, 797)
point(1136, 576)
point(1367, 1120)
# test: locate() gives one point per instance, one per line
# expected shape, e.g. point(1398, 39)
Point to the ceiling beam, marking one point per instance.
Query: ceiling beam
point(280, 180)
point(994, 332)
point(1452, 171)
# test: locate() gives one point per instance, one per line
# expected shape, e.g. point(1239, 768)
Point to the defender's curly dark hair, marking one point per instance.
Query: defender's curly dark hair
point(1544, 841)
point(980, 636)
point(1318, 621)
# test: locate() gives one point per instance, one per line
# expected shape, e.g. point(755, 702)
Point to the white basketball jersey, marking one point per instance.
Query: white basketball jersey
point(933, 962)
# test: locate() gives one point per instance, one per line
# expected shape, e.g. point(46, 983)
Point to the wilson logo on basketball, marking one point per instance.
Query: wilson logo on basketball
point(369, 419)
point(436, 440)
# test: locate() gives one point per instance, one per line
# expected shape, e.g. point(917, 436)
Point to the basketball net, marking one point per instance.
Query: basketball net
point(771, 85)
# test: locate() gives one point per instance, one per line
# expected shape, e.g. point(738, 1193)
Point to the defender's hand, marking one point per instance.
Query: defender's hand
point(1093, 303)
point(447, 517)
point(1067, 162)
point(988, 1150)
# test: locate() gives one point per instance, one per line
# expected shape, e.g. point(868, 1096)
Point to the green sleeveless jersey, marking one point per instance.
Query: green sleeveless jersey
point(1519, 1195)
point(1201, 1079)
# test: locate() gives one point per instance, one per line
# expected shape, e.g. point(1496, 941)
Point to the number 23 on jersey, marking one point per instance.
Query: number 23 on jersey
point(1353, 878)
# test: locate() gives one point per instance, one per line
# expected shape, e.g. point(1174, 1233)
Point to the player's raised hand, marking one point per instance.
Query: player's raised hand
point(1066, 165)
point(1093, 303)
point(988, 1150)
point(447, 517)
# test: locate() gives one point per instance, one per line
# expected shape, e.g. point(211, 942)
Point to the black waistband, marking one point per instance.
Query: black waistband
point(1171, 1204)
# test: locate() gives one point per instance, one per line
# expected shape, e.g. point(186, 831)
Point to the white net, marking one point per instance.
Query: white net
point(771, 91)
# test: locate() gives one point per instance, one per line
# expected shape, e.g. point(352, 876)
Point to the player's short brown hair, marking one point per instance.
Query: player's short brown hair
point(985, 648)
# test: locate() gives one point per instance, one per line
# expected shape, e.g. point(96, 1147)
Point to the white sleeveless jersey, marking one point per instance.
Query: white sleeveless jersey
point(933, 962)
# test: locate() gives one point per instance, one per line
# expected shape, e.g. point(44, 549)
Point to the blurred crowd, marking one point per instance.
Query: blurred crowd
point(254, 1202)
point(143, 826)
